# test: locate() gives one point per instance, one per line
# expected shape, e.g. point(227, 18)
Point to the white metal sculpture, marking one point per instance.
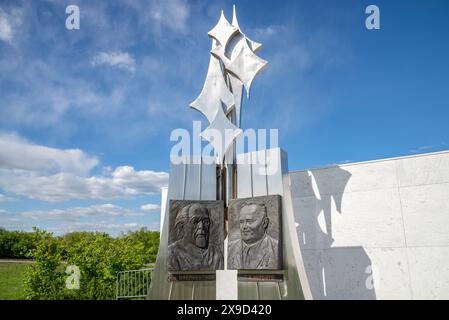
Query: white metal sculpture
point(233, 65)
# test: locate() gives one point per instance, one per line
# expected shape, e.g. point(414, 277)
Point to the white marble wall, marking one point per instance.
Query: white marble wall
point(375, 230)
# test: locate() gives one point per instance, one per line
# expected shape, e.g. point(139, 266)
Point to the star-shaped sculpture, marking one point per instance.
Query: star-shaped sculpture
point(233, 65)
point(255, 46)
point(237, 90)
point(223, 31)
point(219, 53)
point(221, 133)
point(233, 46)
point(246, 66)
point(215, 92)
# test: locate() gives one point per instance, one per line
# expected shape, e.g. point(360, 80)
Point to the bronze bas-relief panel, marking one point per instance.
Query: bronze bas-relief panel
point(196, 235)
point(255, 235)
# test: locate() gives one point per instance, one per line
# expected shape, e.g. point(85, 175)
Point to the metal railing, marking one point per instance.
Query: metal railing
point(133, 284)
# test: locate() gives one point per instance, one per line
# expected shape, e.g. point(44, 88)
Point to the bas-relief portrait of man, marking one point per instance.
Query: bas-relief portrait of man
point(255, 233)
point(195, 235)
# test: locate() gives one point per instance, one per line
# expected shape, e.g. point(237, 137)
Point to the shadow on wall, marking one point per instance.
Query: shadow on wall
point(333, 272)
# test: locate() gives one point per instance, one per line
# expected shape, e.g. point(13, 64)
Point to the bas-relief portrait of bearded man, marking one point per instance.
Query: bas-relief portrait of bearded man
point(196, 236)
point(251, 246)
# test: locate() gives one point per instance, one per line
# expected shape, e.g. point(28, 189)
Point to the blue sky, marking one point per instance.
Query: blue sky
point(86, 115)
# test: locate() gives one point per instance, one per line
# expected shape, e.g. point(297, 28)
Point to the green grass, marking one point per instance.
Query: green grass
point(11, 280)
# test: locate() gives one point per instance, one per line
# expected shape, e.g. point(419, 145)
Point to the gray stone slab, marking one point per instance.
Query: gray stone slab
point(429, 272)
point(426, 214)
point(196, 234)
point(422, 170)
point(255, 233)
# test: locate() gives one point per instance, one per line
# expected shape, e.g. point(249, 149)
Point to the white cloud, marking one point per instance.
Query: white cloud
point(8, 22)
point(8, 220)
point(111, 228)
point(425, 148)
point(107, 218)
point(4, 198)
point(103, 210)
point(19, 154)
point(161, 16)
point(5, 27)
point(57, 88)
point(264, 33)
point(51, 174)
point(150, 207)
point(48, 93)
point(171, 14)
point(122, 60)
point(68, 186)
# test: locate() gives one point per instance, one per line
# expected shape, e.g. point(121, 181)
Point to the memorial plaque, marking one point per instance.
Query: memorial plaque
point(196, 235)
point(255, 233)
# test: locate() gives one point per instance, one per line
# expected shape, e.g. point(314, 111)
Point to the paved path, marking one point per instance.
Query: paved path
point(16, 261)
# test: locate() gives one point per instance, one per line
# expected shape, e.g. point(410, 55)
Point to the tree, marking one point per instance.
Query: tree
point(98, 257)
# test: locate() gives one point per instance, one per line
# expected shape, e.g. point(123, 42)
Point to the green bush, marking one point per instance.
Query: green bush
point(150, 241)
point(97, 255)
point(45, 278)
point(16, 244)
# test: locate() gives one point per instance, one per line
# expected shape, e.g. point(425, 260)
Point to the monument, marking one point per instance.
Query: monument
point(235, 201)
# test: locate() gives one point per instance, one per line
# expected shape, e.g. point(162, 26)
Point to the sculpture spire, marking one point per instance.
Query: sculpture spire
point(221, 97)
point(235, 23)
